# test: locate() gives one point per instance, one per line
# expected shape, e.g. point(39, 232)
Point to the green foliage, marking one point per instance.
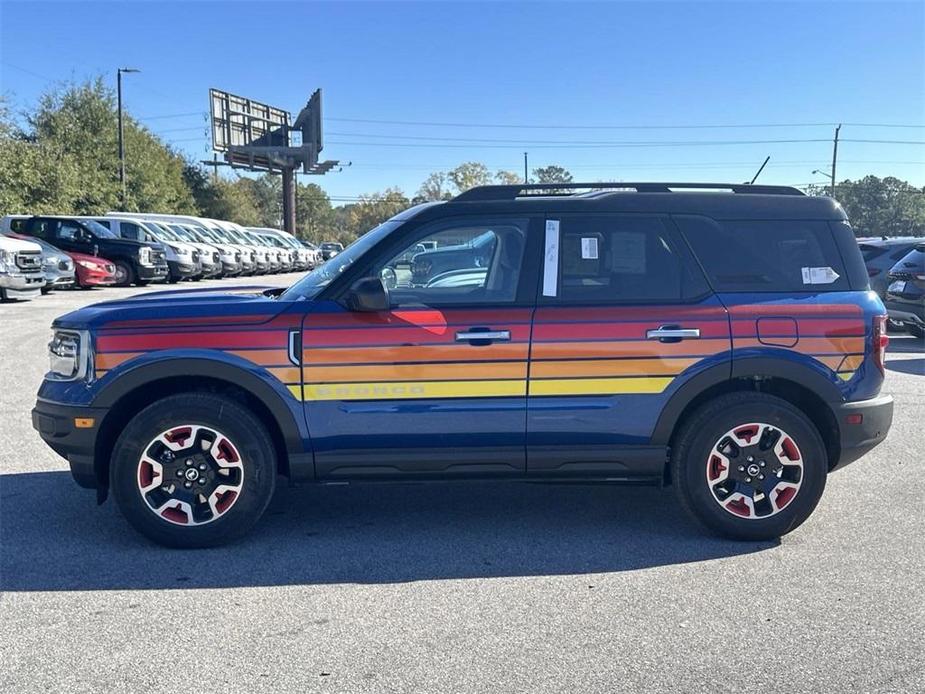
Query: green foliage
point(507, 178)
point(314, 214)
point(551, 174)
point(880, 206)
point(372, 210)
point(469, 175)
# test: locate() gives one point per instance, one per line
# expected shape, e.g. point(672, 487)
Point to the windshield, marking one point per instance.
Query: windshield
point(310, 285)
point(184, 234)
point(162, 232)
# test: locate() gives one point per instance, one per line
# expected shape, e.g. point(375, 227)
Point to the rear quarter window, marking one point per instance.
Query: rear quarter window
point(766, 256)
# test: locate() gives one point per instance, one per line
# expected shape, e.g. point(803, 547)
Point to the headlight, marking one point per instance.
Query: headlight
point(69, 354)
point(7, 261)
point(181, 250)
point(144, 255)
point(89, 265)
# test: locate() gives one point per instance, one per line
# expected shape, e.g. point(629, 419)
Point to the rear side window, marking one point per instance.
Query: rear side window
point(617, 259)
point(766, 256)
point(870, 252)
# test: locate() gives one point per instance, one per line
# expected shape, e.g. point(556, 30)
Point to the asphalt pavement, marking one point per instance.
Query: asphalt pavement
point(457, 588)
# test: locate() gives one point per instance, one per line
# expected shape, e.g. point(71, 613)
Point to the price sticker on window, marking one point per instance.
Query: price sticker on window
point(589, 248)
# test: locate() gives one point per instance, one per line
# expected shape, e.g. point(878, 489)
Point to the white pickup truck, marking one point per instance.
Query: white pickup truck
point(21, 275)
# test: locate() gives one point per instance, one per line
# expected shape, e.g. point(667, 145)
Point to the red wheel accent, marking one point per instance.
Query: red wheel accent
point(747, 432)
point(146, 474)
point(790, 449)
point(784, 496)
point(225, 500)
point(176, 515)
point(716, 468)
point(179, 435)
point(227, 452)
point(739, 507)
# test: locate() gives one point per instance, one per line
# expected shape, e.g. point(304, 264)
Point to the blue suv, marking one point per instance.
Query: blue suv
point(720, 339)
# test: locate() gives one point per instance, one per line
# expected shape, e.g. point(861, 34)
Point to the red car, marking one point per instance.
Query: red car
point(93, 271)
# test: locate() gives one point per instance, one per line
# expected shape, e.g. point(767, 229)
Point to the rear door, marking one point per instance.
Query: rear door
point(435, 386)
point(624, 318)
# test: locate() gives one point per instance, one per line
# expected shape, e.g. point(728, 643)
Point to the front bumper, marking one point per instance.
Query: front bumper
point(856, 438)
point(153, 273)
point(231, 268)
point(55, 423)
point(18, 281)
point(183, 270)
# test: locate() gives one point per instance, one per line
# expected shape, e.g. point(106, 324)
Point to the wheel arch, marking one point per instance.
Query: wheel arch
point(796, 383)
point(138, 387)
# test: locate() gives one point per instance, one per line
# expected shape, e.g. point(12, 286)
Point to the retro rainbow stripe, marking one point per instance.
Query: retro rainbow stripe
point(553, 351)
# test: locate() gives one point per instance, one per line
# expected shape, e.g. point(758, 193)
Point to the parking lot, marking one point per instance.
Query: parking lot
point(474, 587)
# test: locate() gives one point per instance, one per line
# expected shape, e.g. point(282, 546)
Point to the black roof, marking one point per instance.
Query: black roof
point(716, 200)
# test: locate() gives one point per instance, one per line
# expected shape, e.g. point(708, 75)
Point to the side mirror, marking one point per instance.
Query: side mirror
point(368, 294)
point(95, 250)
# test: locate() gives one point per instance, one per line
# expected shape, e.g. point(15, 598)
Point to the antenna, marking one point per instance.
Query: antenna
point(761, 168)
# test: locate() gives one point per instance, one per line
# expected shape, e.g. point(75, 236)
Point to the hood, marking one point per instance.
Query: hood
point(8, 244)
point(98, 259)
point(127, 245)
point(240, 305)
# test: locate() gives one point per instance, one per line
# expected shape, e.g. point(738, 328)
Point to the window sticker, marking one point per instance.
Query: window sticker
point(551, 258)
point(589, 248)
point(628, 252)
point(819, 275)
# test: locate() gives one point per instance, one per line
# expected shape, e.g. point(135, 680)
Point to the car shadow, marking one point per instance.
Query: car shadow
point(905, 344)
point(53, 536)
point(916, 367)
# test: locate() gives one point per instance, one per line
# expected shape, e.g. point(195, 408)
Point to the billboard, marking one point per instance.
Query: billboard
point(241, 122)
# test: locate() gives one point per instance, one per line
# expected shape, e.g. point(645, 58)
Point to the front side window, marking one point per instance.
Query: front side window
point(69, 231)
point(466, 264)
point(617, 259)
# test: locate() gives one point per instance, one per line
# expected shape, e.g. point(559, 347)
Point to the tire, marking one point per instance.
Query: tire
point(916, 331)
point(191, 421)
point(125, 274)
point(737, 419)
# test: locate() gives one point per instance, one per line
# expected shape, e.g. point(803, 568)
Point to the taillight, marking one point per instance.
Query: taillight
point(881, 340)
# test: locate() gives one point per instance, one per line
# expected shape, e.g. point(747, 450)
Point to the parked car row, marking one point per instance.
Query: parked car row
point(44, 252)
point(896, 268)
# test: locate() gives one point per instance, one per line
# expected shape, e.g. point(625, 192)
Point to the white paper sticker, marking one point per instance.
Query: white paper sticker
point(551, 258)
point(589, 248)
point(819, 275)
point(629, 252)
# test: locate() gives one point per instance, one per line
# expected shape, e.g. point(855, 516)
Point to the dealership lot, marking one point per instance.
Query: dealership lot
point(457, 588)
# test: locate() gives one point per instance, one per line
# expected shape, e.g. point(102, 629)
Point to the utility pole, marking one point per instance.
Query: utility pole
point(834, 158)
point(289, 200)
point(119, 72)
point(526, 176)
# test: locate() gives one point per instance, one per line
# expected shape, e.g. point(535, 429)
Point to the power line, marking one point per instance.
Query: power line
point(705, 126)
point(174, 115)
point(617, 145)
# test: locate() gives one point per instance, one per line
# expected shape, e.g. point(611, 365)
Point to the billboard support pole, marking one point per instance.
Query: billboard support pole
point(289, 200)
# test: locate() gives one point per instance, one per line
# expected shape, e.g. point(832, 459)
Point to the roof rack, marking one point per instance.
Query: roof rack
point(512, 192)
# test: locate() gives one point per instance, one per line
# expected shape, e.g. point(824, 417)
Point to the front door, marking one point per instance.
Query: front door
point(436, 385)
point(624, 317)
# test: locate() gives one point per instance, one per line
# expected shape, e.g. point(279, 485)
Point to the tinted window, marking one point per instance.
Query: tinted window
point(622, 260)
point(132, 231)
point(870, 252)
point(466, 264)
point(756, 256)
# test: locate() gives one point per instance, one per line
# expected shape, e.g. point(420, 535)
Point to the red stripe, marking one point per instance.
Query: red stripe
point(437, 334)
point(618, 331)
point(287, 321)
point(212, 340)
point(806, 327)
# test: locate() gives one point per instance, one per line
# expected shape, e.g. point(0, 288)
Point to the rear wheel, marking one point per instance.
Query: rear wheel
point(193, 470)
point(917, 331)
point(749, 466)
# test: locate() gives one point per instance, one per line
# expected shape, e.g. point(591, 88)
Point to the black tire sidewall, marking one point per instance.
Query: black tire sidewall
point(234, 421)
point(129, 273)
point(701, 434)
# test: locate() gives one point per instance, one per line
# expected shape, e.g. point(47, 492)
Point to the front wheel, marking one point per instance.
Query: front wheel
point(124, 274)
point(193, 470)
point(749, 466)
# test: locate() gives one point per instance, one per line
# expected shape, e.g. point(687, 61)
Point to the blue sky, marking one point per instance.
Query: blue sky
point(574, 66)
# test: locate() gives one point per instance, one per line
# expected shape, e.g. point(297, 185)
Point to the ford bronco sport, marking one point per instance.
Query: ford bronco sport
point(721, 339)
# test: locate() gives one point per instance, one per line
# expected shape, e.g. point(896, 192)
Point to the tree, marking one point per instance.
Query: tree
point(469, 175)
point(552, 174)
point(881, 206)
point(434, 187)
point(371, 211)
point(508, 178)
point(314, 214)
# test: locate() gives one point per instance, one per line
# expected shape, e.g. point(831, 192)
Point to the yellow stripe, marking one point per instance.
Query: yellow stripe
point(846, 375)
point(597, 386)
point(296, 391)
point(404, 390)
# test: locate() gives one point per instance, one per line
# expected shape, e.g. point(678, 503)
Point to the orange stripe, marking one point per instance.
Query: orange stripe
point(840, 363)
point(813, 345)
point(609, 367)
point(405, 353)
point(111, 361)
point(287, 374)
point(416, 372)
point(263, 357)
point(629, 348)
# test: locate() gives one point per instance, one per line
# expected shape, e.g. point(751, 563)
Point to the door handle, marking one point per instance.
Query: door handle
point(672, 333)
point(487, 335)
